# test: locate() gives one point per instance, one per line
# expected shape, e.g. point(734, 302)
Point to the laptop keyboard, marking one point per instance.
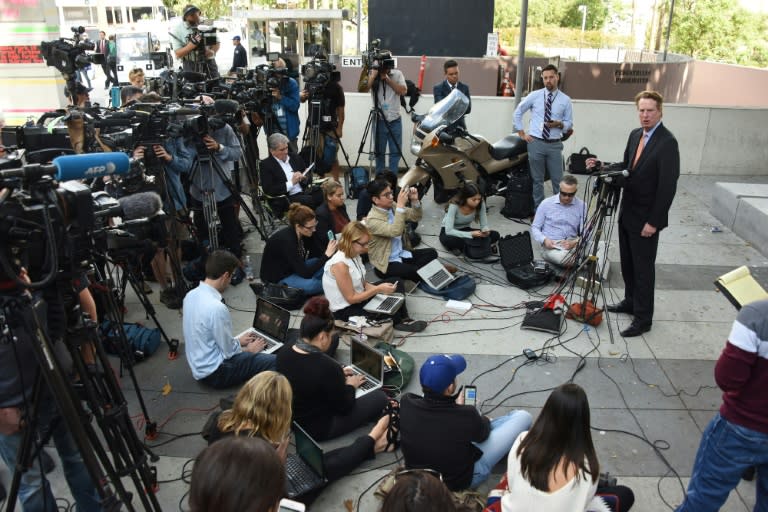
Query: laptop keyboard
point(366, 385)
point(387, 304)
point(438, 278)
point(299, 476)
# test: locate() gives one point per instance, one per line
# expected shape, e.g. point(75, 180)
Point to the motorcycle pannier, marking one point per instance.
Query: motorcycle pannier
point(517, 259)
point(518, 199)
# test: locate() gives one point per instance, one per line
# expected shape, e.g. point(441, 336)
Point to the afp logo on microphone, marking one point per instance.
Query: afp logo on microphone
point(100, 170)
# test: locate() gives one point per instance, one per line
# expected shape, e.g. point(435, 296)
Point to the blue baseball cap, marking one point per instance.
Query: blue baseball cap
point(439, 371)
point(236, 38)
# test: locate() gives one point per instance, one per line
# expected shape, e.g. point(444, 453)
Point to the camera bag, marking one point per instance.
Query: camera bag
point(517, 259)
point(577, 162)
point(358, 181)
point(518, 198)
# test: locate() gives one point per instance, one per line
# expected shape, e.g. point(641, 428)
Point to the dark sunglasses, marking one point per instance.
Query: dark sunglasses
point(567, 194)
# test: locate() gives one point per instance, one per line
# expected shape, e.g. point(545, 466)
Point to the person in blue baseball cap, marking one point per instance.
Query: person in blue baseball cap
point(240, 57)
point(439, 432)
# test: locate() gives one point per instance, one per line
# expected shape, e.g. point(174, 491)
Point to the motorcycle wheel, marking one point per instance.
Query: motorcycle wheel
point(441, 194)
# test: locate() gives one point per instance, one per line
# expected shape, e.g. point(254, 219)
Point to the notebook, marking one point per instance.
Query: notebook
point(386, 304)
point(304, 470)
point(271, 323)
point(369, 363)
point(740, 288)
point(435, 275)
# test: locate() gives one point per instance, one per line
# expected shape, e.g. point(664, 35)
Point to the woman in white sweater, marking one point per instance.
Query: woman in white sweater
point(553, 467)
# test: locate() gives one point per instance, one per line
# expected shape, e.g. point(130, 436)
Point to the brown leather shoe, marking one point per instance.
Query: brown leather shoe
point(451, 268)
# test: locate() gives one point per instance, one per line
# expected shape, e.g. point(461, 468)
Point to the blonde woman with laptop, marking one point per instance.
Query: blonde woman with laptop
point(345, 286)
point(262, 408)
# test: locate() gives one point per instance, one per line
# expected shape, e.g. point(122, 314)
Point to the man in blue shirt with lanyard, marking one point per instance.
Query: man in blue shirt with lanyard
point(551, 117)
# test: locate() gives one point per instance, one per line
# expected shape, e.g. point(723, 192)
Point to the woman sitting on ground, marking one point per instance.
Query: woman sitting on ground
point(292, 256)
point(262, 408)
point(466, 207)
point(420, 490)
point(332, 214)
point(345, 286)
point(553, 466)
point(324, 402)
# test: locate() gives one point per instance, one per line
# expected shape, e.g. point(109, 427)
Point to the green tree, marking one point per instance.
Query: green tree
point(597, 13)
point(719, 30)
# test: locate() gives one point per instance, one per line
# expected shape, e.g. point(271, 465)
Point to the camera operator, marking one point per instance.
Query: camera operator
point(331, 122)
point(285, 107)
point(224, 147)
point(80, 97)
point(18, 369)
point(387, 85)
point(176, 158)
point(188, 44)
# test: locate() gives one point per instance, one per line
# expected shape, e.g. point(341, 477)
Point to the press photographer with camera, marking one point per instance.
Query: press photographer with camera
point(386, 84)
point(326, 113)
point(196, 49)
point(285, 106)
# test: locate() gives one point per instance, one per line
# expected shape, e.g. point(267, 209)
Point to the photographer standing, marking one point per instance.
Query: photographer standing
point(387, 85)
point(330, 122)
point(224, 147)
point(285, 107)
point(188, 45)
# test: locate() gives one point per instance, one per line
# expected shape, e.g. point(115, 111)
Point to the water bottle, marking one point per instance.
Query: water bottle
point(248, 269)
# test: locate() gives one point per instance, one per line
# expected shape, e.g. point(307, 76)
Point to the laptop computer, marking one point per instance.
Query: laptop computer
point(435, 275)
point(305, 469)
point(386, 304)
point(271, 323)
point(369, 363)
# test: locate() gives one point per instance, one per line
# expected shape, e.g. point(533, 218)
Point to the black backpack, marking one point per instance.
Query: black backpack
point(518, 198)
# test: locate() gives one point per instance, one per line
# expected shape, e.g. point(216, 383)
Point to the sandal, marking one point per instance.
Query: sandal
point(393, 429)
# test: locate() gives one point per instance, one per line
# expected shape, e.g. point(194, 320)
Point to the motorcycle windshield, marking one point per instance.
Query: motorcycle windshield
point(445, 112)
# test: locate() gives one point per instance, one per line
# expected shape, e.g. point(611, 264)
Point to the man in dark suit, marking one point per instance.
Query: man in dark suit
point(282, 177)
point(653, 160)
point(444, 88)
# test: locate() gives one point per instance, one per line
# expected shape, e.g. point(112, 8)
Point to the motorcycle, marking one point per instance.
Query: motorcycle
point(448, 155)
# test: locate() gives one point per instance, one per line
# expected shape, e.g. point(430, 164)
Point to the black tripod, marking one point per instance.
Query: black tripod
point(104, 399)
point(314, 137)
point(206, 167)
point(372, 125)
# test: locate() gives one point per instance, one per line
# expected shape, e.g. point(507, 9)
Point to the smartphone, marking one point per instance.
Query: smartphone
point(470, 395)
point(287, 505)
point(331, 236)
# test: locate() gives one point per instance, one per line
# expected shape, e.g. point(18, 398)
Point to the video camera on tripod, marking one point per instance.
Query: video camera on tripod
point(68, 54)
point(376, 58)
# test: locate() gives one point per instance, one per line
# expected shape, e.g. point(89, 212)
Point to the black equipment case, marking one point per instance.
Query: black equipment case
point(517, 259)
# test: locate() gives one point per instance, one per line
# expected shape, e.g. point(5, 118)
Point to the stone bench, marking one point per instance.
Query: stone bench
point(743, 208)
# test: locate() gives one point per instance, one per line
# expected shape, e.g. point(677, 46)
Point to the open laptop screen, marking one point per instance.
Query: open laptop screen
point(271, 319)
point(308, 450)
point(366, 359)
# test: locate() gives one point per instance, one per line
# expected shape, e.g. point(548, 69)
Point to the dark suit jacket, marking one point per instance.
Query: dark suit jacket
point(442, 90)
point(272, 176)
point(651, 185)
point(325, 222)
point(281, 256)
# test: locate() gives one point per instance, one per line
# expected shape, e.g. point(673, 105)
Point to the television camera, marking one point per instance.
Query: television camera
point(68, 55)
point(376, 58)
point(318, 73)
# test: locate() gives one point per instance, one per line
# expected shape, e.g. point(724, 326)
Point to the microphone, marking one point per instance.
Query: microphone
point(141, 205)
point(92, 165)
point(613, 174)
point(226, 106)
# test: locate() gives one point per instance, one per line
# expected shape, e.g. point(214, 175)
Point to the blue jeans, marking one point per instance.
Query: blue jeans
point(35, 492)
point(542, 157)
point(395, 143)
point(239, 369)
point(726, 450)
point(311, 285)
point(504, 431)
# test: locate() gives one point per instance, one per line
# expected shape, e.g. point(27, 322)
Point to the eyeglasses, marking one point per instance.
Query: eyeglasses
point(567, 194)
point(387, 194)
point(311, 228)
point(427, 471)
point(361, 244)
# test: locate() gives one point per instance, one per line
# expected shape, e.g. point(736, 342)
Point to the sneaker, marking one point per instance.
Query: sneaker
point(237, 276)
point(456, 252)
point(411, 325)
